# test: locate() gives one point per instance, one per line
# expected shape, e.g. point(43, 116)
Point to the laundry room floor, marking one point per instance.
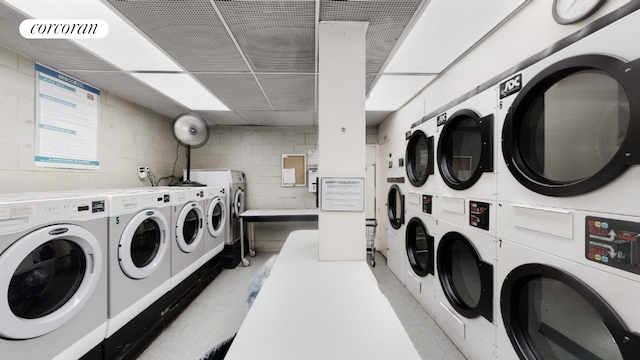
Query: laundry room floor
point(217, 313)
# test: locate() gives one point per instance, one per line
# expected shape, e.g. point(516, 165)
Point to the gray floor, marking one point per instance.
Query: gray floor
point(219, 311)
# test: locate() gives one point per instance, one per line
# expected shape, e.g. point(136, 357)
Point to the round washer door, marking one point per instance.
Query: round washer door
point(420, 251)
point(395, 207)
point(238, 202)
point(419, 158)
point(190, 227)
point(465, 149)
point(143, 244)
point(216, 216)
point(550, 314)
point(47, 276)
point(467, 281)
point(574, 127)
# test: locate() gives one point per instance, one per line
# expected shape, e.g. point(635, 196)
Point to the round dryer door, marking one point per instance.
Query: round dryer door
point(189, 227)
point(395, 207)
point(47, 276)
point(467, 281)
point(143, 244)
point(550, 314)
point(572, 129)
point(419, 158)
point(465, 149)
point(238, 202)
point(419, 247)
point(216, 216)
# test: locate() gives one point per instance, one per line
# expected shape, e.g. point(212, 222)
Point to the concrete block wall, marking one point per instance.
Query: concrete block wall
point(129, 135)
point(257, 151)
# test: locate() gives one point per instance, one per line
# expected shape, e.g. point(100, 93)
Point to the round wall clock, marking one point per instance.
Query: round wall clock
point(571, 11)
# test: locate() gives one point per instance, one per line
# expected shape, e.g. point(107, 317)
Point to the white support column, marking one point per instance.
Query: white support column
point(341, 132)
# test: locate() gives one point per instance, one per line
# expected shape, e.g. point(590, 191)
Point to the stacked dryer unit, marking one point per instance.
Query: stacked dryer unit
point(568, 275)
point(139, 265)
point(53, 276)
point(395, 227)
point(465, 209)
point(233, 183)
point(420, 229)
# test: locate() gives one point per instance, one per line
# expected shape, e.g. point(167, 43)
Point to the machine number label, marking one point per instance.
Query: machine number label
point(613, 243)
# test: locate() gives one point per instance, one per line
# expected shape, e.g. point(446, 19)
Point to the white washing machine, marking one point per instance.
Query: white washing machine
point(53, 274)
point(465, 153)
point(216, 214)
point(188, 229)
point(420, 255)
point(233, 182)
point(139, 252)
point(553, 308)
point(466, 260)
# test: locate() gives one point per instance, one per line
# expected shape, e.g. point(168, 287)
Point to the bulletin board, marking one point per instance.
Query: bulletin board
point(294, 170)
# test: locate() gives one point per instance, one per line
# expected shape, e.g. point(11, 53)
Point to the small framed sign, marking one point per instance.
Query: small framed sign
point(342, 194)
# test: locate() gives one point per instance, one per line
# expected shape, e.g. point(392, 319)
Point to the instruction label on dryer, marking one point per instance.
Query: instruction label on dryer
point(613, 243)
point(479, 214)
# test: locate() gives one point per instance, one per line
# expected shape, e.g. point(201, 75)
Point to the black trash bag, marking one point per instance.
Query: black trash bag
point(219, 351)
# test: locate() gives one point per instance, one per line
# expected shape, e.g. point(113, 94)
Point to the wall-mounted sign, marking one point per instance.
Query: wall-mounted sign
point(67, 113)
point(342, 194)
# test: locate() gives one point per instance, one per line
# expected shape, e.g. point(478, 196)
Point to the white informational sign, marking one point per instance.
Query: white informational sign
point(67, 113)
point(289, 176)
point(312, 157)
point(313, 180)
point(342, 194)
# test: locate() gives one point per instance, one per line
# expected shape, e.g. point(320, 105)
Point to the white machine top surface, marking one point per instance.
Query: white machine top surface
point(309, 309)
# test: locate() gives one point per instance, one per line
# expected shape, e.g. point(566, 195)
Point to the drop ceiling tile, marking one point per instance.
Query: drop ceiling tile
point(275, 36)
point(189, 30)
point(294, 92)
point(262, 118)
point(222, 118)
point(296, 118)
point(237, 91)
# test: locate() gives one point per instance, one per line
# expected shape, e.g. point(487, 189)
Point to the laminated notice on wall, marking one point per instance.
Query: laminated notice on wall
point(67, 113)
point(342, 194)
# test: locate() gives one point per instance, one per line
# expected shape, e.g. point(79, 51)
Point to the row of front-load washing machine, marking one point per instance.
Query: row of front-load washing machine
point(90, 274)
point(519, 229)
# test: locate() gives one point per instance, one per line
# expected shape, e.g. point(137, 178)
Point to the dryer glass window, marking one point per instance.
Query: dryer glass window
point(419, 160)
point(464, 275)
point(190, 228)
point(216, 216)
point(395, 211)
point(419, 247)
point(46, 279)
point(145, 243)
point(571, 130)
point(463, 149)
point(558, 323)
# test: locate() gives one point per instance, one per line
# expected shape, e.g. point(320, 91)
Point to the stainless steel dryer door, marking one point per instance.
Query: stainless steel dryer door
point(46, 277)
